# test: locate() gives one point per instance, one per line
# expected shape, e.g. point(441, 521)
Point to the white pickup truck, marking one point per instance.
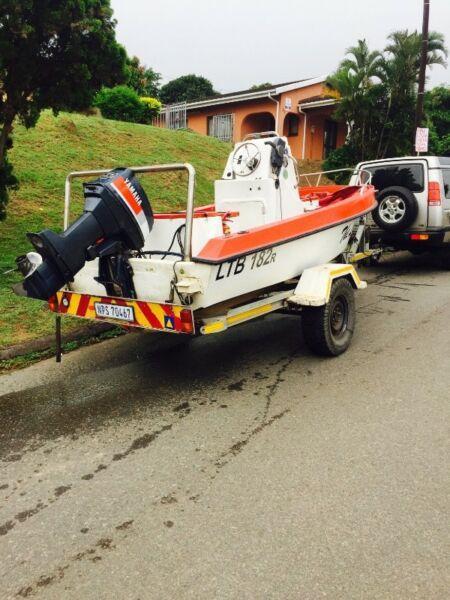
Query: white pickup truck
point(413, 212)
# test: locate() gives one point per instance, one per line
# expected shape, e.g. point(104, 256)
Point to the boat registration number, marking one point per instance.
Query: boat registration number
point(250, 262)
point(114, 311)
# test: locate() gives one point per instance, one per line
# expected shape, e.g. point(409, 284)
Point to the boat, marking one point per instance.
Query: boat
point(260, 232)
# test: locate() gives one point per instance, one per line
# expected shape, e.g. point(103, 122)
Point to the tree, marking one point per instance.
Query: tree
point(363, 64)
point(7, 182)
point(437, 111)
point(53, 55)
point(261, 86)
point(144, 80)
point(152, 83)
point(400, 73)
point(378, 95)
point(187, 88)
point(356, 81)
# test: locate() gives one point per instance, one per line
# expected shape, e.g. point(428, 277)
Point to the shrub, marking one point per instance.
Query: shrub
point(150, 108)
point(120, 103)
point(341, 158)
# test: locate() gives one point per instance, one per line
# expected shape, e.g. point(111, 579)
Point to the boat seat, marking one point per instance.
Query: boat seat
point(256, 201)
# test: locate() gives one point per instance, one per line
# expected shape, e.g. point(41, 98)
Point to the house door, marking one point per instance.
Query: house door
point(329, 137)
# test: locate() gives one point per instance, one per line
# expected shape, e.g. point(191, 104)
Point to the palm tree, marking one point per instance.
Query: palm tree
point(378, 90)
point(362, 63)
point(356, 75)
point(408, 46)
point(399, 70)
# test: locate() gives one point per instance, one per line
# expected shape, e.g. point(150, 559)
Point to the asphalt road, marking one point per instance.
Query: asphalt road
point(238, 466)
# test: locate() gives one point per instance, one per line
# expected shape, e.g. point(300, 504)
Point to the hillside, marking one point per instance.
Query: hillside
point(43, 156)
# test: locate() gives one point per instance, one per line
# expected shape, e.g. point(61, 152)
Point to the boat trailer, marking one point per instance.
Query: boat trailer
point(264, 246)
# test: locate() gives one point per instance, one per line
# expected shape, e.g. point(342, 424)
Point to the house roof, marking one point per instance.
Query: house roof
point(315, 98)
point(317, 101)
point(265, 88)
point(250, 94)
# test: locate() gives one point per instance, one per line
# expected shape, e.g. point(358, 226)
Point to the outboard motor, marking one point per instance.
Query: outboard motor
point(116, 220)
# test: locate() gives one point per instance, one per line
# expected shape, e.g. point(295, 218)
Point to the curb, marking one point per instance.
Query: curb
point(48, 341)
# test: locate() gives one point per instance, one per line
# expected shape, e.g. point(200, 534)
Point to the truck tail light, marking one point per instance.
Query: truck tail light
point(186, 321)
point(434, 194)
point(419, 237)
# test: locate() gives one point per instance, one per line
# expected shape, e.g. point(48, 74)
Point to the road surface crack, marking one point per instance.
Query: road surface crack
point(237, 448)
point(272, 387)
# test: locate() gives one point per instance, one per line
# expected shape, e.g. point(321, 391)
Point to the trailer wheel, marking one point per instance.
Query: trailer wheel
point(328, 329)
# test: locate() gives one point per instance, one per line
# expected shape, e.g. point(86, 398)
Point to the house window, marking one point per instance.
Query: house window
point(221, 127)
point(291, 125)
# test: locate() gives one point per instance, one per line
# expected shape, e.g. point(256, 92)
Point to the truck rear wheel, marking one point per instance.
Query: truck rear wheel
point(328, 329)
point(397, 209)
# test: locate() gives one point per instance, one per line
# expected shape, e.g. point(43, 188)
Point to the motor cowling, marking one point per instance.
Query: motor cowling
point(117, 218)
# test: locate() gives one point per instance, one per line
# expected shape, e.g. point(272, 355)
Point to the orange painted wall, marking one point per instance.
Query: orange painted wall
point(198, 120)
point(248, 114)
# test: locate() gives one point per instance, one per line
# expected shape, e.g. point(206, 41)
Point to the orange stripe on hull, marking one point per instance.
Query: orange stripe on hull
point(347, 204)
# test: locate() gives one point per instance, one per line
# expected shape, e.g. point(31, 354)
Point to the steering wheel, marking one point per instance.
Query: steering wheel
point(246, 159)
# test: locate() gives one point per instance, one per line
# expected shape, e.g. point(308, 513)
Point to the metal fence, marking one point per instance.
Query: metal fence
point(172, 116)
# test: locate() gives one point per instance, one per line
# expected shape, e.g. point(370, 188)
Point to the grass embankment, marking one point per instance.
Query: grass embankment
point(43, 156)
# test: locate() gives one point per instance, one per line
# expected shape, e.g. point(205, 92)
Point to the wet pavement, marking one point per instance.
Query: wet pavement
point(239, 465)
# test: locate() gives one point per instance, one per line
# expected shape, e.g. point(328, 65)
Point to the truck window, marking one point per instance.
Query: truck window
point(406, 175)
point(446, 178)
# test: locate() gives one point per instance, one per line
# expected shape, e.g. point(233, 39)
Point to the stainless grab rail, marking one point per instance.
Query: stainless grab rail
point(353, 171)
point(146, 169)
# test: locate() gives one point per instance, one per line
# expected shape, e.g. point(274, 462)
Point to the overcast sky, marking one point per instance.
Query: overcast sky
point(237, 43)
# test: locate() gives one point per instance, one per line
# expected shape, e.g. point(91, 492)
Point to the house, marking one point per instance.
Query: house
point(301, 110)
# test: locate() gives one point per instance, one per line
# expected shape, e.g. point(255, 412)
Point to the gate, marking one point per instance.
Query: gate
point(222, 127)
point(172, 116)
point(176, 116)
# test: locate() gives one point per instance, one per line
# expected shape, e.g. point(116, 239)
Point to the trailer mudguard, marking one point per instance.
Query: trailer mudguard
point(314, 286)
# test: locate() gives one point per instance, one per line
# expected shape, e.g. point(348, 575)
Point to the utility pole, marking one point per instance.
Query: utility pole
point(423, 63)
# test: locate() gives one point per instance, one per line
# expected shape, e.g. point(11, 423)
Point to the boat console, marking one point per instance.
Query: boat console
point(259, 182)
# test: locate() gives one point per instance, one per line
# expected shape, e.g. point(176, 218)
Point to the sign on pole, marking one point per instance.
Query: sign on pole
point(422, 139)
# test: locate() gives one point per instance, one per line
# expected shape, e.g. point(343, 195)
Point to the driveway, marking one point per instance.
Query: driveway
point(237, 466)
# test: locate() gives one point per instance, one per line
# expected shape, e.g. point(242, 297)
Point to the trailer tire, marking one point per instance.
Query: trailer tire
point(328, 329)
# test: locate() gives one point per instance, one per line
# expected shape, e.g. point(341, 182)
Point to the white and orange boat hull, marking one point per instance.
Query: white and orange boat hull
point(259, 233)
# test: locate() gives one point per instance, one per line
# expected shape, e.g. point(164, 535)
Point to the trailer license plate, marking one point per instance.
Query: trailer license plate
point(114, 311)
